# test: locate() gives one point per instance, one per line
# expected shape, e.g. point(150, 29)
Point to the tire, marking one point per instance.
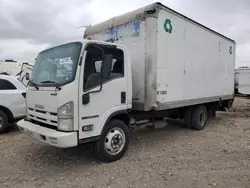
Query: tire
point(113, 142)
point(3, 122)
point(188, 117)
point(199, 117)
point(159, 118)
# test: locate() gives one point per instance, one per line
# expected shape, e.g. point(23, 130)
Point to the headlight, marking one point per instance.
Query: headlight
point(65, 116)
point(66, 111)
point(65, 124)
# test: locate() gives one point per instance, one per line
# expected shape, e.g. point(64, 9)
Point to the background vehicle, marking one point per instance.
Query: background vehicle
point(150, 63)
point(18, 69)
point(25, 68)
point(10, 67)
point(12, 101)
point(242, 80)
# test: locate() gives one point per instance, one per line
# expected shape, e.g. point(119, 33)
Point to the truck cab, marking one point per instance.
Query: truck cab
point(80, 92)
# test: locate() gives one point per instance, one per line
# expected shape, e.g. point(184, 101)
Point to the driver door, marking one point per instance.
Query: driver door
point(104, 98)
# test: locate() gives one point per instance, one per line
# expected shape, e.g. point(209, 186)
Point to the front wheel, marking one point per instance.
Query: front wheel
point(3, 122)
point(113, 141)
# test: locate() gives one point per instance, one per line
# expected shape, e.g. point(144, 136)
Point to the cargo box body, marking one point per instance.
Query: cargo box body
point(176, 61)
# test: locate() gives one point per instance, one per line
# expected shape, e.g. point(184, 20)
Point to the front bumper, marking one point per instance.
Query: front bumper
point(49, 136)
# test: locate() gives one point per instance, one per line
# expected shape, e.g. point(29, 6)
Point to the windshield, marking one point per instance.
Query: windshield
point(57, 65)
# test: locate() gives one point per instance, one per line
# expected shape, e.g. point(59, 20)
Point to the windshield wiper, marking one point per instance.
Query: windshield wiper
point(52, 82)
point(33, 84)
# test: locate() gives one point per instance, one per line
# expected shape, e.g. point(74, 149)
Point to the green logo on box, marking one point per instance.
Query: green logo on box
point(168, 26)
point(230, 50)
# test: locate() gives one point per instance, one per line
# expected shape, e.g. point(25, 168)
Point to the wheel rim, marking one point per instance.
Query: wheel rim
point(202, 117)
point(115, 141)
point(1, 122)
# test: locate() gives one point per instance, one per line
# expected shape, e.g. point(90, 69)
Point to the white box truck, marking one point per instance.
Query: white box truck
point(242, 80)
point(148, 64)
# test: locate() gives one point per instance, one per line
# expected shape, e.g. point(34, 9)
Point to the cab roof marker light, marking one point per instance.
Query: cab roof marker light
point(150, 12)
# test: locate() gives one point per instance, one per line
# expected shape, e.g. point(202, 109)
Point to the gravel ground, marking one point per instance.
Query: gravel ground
point(170, 156)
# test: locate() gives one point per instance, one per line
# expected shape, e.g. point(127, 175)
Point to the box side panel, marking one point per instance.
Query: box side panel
point(193, 63)
point(170, 69)
point(132, 36)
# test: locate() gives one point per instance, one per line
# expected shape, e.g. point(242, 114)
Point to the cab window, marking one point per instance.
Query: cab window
point(93, 65)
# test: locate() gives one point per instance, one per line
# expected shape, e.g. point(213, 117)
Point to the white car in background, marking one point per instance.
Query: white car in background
point(12, 101)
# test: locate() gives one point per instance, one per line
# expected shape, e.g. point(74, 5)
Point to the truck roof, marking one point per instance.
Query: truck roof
point(141, 14)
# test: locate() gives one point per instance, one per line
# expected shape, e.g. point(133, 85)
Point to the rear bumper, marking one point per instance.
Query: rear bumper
point(49, 136)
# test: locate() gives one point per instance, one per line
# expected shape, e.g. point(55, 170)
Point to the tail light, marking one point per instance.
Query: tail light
point(24, 95)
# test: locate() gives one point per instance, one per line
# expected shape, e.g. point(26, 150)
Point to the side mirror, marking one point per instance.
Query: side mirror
point(85, 99)
point(27, 76)
point(106, 66)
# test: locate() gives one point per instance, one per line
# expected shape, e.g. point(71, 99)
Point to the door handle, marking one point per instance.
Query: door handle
point(85, 99)
point(123, 97)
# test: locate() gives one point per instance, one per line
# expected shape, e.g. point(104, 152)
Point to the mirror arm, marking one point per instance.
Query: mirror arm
point(97, 91)
point(27, 76)
point(88, 94)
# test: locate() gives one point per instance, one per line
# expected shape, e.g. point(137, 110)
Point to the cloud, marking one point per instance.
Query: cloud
point(41, 21)
point(20, 48)
point(28, 26)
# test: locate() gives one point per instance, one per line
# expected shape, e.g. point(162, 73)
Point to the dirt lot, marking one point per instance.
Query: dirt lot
point(170, 156)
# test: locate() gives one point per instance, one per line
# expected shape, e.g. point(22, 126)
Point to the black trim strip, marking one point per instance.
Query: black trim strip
point(90, 117)
point(88, 140)
point(40, 111)
point(41, 118)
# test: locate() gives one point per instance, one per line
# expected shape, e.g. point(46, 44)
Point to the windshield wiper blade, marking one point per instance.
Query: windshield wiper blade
point(33, 84)
point(51, 82)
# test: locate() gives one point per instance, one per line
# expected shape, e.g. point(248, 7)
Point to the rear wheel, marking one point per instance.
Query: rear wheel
point(113, 142)
point(199, 117)
point(188, 116)
point(3, 122)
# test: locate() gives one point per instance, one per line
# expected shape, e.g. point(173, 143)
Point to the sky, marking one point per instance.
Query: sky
point(28, 26)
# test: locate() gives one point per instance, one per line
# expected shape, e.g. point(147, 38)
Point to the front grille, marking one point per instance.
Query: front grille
point(43, 124)
point(43, 112)
point(39, 111)
point(43, 117)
